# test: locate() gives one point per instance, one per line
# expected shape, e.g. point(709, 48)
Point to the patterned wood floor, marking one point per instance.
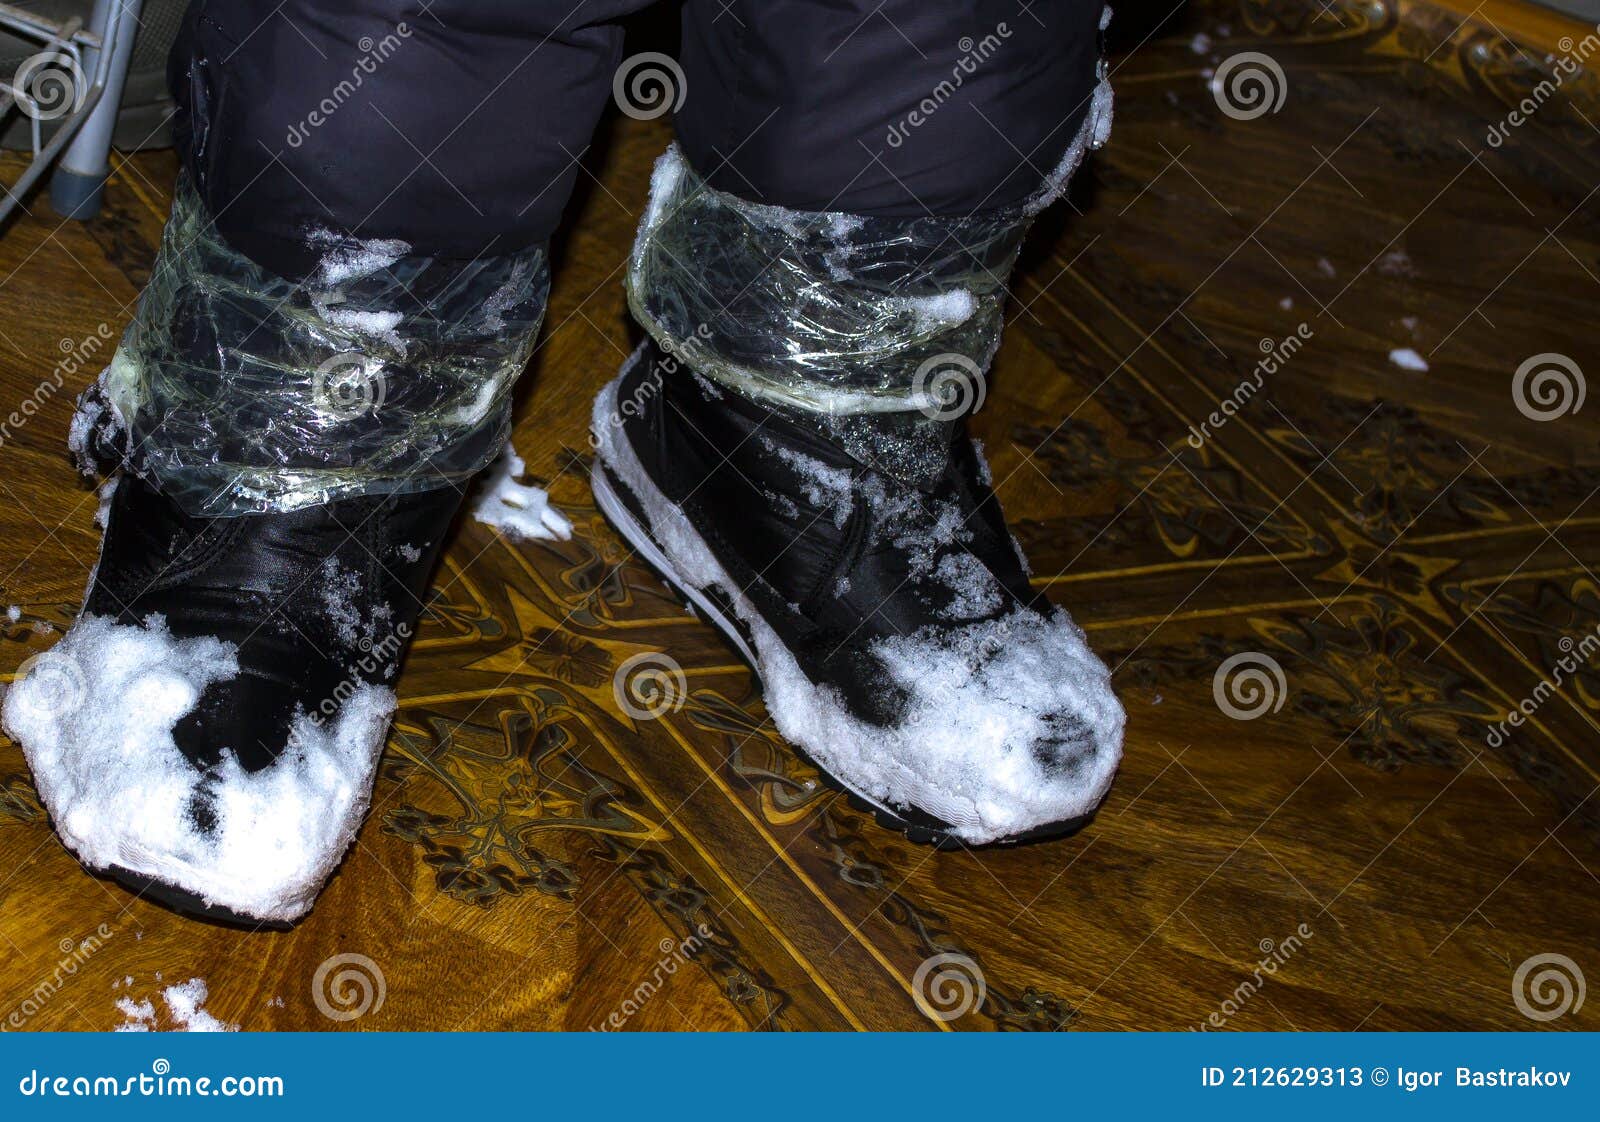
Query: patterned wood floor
point(1400, 557)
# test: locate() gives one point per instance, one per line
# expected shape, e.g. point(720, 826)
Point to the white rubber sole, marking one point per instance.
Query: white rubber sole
point(637, 536)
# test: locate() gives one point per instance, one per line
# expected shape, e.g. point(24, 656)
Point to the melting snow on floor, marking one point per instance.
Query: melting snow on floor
point(185, 1007)
point(520, 511)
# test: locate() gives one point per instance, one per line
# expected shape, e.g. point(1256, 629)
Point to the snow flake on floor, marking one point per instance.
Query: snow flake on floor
point(1396, 263)
point(1407, 359)
point(520, 511)
point(141, 1015)
point(185, 1009)
point(186, 1004)
point(95, 716)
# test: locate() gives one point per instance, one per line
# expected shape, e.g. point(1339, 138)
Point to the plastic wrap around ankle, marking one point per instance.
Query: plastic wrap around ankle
point(382, 372)
point(832, 312)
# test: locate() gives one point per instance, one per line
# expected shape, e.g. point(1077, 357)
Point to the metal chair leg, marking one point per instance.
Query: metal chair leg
point(78, 185)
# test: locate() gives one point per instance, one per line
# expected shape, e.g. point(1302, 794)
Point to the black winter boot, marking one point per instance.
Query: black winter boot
point(264, 649)
point(863, 567)
point(291, 454)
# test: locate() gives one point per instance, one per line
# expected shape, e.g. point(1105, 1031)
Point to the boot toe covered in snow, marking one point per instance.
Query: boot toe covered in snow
point(863, 566)
point(209, 729)
point(292, 454)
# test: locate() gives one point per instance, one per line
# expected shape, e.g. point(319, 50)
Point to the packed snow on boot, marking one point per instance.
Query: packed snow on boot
point(891, 622)
point(289, 458)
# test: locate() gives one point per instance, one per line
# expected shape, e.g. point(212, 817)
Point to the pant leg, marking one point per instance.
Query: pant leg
point(837, 226)
point(885, 107)
point(354, 272)
point(453, 127)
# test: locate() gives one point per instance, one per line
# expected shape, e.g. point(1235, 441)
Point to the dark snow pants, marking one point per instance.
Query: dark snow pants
point(457, 125)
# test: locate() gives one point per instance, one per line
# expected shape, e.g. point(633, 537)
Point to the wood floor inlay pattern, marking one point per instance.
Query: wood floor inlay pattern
point(1413, 553)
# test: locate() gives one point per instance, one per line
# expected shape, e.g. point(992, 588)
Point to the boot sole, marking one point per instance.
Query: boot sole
point(186, 903)
point(609, 493)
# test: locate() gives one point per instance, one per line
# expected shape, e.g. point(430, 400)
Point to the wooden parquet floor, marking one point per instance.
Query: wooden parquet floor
point(1403, 555)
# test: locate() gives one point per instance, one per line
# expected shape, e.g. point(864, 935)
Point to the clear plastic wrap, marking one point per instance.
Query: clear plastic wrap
point(382, 372)
point(831, 312)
